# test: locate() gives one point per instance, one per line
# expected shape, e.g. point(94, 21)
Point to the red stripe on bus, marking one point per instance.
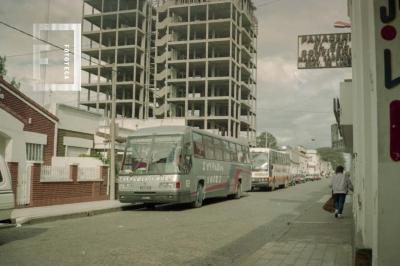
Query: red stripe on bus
point(215, 187)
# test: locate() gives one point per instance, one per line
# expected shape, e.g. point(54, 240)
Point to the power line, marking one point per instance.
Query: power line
point(31, 53)
point(47, 42)
point(31, 35)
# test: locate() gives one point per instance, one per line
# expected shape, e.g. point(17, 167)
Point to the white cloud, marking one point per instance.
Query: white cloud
point(278, 70)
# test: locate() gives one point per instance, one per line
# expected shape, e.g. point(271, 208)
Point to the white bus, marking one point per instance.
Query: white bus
point(270, 168)
point(179, 164)
point(6, 193)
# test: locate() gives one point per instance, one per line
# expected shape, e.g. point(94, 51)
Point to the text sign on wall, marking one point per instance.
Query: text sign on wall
point(324, 51)
point(387, 19)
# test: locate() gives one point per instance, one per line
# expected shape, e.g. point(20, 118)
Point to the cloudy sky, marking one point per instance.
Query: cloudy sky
point(295, 105)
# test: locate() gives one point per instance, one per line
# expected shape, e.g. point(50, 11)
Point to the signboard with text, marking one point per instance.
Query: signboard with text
point(324, 51)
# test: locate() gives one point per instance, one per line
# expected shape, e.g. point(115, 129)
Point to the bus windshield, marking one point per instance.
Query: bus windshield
point(260, 160)
point(153, 155)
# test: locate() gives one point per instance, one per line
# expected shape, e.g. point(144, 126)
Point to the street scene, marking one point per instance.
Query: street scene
point(199, 132)
point(223, 232)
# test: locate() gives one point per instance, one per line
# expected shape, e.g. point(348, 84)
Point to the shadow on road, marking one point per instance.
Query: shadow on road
point(19, 233)
point(182, 207)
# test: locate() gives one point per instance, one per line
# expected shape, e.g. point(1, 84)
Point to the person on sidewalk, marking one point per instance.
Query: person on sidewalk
point(340, 184)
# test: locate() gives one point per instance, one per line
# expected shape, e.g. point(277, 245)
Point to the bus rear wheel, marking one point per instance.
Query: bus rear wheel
point(238, 193)
point(273, 186)
point(199, 196)
point(150, 206)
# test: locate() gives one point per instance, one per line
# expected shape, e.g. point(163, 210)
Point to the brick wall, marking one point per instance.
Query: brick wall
point(13, 168)
point(52, 193)
point(40, 119)
point(68, 133)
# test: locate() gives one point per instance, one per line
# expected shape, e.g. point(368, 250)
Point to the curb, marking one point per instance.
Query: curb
point(42, 219)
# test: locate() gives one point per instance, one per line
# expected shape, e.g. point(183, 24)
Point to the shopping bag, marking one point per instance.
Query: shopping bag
point(329, 205)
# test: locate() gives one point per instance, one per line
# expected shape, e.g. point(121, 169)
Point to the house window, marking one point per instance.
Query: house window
point(71, 151)
point(34, 152)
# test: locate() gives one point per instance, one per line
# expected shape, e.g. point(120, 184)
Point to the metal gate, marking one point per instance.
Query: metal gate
point(24, 187)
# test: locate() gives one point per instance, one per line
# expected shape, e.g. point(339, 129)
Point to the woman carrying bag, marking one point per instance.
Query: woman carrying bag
point(340, 184)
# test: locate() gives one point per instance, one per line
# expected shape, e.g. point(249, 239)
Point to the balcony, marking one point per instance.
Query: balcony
point(164, 23)
point(164, 57)
point(159, 111)
point(162, 75)
point(246, 119)
point(162, 92)
point(163, 41)
point(164, 7)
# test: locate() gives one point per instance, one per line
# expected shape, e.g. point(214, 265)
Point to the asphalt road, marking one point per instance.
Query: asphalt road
point(223, 232)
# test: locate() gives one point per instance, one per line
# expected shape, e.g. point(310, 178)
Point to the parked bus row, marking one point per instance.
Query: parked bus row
point(187, 165)
point(180, 164)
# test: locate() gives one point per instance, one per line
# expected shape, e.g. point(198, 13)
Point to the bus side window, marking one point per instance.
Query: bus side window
point(246, 154)
point(198, 145)
point(186, 158)
point(240, 153)
point(226, 151)
point(218, 150)
point(209, 147)
point(234, 155)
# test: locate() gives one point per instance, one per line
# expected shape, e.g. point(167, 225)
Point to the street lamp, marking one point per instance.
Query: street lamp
point(112, 132)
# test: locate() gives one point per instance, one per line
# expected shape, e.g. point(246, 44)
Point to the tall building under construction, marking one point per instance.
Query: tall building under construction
point(118, 32)
point(192, 59)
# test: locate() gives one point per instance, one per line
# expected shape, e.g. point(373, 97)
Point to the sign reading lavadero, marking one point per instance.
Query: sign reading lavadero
point(324, 51)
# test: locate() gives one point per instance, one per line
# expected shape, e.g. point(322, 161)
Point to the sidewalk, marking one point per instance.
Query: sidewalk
point(56, 212)
point(315, 237)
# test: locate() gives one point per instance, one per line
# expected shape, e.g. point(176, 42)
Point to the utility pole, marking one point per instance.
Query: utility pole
point(112, 133)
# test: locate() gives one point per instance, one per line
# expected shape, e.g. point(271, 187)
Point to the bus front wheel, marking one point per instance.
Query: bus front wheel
point(199, 196)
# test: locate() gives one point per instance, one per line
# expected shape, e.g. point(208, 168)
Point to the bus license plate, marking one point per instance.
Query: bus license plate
point(146, 188)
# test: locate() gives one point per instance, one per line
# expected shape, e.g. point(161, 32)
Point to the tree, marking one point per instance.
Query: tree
point(261, 140)
point(330, 155)
point(15, 83)
point(3, 72)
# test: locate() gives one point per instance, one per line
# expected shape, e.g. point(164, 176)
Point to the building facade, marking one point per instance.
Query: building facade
point(302, 160)
point(117, 32)
point(29, 136)
point(206, 65)
point(193, 60)
point(370, 110)
point(313, 162)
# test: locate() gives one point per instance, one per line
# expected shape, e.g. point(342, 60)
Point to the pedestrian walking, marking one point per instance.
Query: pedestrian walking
point(340, 184)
